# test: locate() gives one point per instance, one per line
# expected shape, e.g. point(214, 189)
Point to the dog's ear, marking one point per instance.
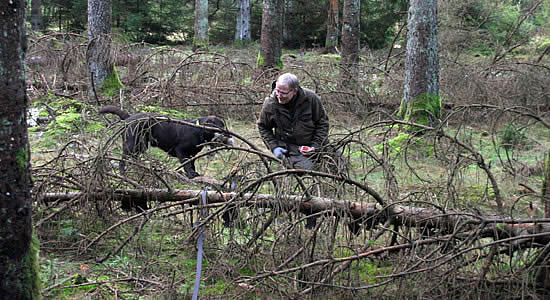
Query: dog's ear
point(212, 120)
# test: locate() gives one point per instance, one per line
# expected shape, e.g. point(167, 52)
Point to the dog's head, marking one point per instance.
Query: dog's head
point(219, 137)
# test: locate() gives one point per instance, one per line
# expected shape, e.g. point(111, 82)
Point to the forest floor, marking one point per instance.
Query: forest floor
point(484, 162)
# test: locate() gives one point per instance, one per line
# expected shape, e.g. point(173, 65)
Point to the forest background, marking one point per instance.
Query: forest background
point(449, 213)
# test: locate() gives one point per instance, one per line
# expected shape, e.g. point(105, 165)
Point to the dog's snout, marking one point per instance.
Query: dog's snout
point(223, 138)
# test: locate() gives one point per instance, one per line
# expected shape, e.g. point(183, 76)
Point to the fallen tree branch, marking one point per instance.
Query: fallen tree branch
point(369, 214)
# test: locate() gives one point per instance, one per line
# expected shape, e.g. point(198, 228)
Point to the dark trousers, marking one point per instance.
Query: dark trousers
point(299, 161)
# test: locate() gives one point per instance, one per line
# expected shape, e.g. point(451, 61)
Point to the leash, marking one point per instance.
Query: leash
point(199, 251)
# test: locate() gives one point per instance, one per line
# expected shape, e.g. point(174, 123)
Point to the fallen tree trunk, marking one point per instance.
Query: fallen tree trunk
point(368, 215)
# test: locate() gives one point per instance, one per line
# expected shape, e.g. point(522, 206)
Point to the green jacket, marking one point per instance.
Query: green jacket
point(302, 122)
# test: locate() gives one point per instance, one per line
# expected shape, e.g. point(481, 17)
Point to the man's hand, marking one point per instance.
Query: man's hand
point(306, 150)
point(279, 152)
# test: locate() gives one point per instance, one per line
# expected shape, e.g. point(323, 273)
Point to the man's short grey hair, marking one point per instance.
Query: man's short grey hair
point(289, 79)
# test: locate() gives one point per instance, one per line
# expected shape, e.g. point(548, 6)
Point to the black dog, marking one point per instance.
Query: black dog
point(176, 139)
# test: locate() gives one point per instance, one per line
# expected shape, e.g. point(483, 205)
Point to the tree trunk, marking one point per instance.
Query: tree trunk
point(332, 24)
point(242, 30)
point(350, 40)
point(543, 276)
point(287, 30)
point(201, 24)
point(368, 215)
point(102, 77)
point(270, 49)
point(36, 18)
point(546, 186)
point(18, 254)
point(421, 102)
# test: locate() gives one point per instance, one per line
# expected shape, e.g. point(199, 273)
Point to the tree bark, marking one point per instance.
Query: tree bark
point(543, 276)
point(201, 24)
point(100, 65)
point(242, 30)
point(368, 215)
point(18, 255)
point(546, 186)
point(332, 24)
point(421, 103)
point(271, 37)
point(36, 18)
point(350, 40)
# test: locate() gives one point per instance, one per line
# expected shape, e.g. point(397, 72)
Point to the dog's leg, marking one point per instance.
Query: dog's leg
point(190, 169)
point(126, 153)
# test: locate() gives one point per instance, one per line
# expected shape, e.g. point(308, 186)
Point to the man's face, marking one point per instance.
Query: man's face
point(284, 93)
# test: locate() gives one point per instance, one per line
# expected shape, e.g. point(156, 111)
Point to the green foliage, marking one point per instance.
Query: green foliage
point(67, 230)
point(58, 103)
point(476, 195)
point(381, 17)
point(394, 145)
point(511, 137)
point(306, 23)
point(155, 22)
point(241, 43)
point(68, 120)
point(172, 21)
point(218, 288)
point(503, 22)
point(219, 22)
point(201, 44)
point(543, 44)
point(495, 21)
point(65, 15)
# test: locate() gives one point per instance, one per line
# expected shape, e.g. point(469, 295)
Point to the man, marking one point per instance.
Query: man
point(293, 123)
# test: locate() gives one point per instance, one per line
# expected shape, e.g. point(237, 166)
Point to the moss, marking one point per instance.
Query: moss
point(200, 44)
point(22, 158)
point(31, 278)
point(394, 145)
point(260, 60)
point(175, 113)
point(424, 109)
point(546, 182)
point(476, 196)
point(219, 288)
point(59, 104)
point(279, 63)
point(512, 137)
point(241, 43)
point(111, 84)
point(65, 123)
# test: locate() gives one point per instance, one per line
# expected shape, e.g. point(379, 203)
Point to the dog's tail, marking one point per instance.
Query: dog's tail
point(111, 109)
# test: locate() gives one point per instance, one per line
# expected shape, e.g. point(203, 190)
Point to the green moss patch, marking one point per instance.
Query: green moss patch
point(111, 85)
